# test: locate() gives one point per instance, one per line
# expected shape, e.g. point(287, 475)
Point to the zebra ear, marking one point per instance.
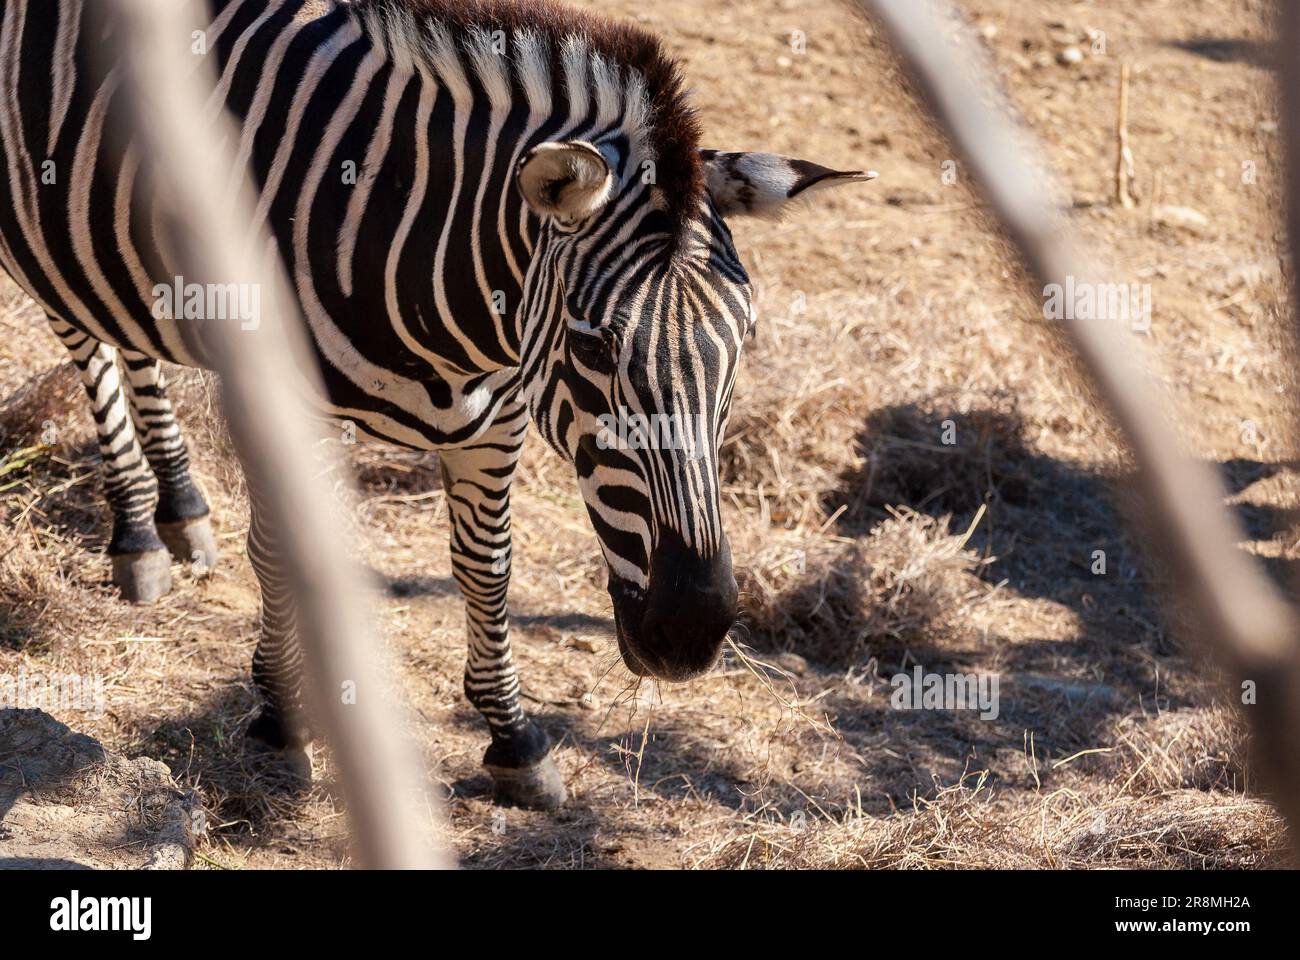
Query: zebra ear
point(568, 180)
point(763, 184)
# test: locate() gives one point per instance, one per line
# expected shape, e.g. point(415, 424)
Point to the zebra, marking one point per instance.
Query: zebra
point(494, 214)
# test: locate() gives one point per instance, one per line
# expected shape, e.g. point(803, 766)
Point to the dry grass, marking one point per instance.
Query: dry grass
point(965, 826)
point(844, 601)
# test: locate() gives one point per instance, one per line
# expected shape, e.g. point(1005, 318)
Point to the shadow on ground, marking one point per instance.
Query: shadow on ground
point(1044, 518)
point(1231, 50)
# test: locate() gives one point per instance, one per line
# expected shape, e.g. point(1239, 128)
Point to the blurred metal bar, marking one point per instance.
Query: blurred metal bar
point(263, 370)
point(1247, 622)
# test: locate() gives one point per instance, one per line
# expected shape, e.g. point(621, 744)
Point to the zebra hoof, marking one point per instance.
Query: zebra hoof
point(292, 763)
point(539, 787)
point(191, 542)
point(296, 762)
point(143, 577)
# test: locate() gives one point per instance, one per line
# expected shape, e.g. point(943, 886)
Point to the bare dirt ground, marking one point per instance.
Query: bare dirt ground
point(871, 546)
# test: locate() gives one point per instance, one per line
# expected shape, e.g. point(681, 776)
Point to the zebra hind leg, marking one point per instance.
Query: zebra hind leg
point(141, 563)
point(182, 515)
point(476, 482)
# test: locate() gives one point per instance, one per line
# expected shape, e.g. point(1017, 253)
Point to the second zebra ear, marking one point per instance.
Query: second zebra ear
point(568, 180)
point(764, 184)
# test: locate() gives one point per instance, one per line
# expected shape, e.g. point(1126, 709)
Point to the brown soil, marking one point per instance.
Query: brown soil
point(66, 803)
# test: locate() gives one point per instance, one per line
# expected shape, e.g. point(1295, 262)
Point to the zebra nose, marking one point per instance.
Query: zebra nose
point(690, 607)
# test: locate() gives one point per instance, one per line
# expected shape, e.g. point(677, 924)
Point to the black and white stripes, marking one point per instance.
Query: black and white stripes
point(491, 212)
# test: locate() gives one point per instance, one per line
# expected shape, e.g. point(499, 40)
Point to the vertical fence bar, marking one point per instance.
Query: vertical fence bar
point(1248, 624)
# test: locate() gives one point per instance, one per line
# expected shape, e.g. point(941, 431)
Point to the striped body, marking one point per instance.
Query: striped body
point(413, 349)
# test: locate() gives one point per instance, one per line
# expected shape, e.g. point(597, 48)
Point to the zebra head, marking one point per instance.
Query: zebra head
point(632, 330)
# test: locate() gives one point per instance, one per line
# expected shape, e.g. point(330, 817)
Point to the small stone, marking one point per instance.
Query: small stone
point(1069, 56)
point(1182, 218)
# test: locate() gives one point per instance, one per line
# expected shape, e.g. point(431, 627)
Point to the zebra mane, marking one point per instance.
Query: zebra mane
point(657, 116)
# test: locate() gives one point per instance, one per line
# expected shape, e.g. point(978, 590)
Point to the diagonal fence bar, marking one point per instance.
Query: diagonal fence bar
point(1247, 622)
point(263, 374)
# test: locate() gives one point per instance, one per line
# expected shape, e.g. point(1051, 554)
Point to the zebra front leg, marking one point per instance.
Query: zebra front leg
point(281, 725)
point(141, 563)
point(181, 516)
point(476, 481)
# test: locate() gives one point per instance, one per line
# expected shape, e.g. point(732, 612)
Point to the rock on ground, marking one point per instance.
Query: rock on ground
point(67, 803)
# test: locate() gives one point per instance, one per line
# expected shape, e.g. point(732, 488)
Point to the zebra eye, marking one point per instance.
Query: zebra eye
point(594, 349)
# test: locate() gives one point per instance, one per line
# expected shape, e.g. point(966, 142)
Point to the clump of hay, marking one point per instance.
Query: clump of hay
point(54, 574)
point(967, 825)
point(1178, 830)
point(786, 448)
point(912, 581)
point(1204, 749)
point(42, 410)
